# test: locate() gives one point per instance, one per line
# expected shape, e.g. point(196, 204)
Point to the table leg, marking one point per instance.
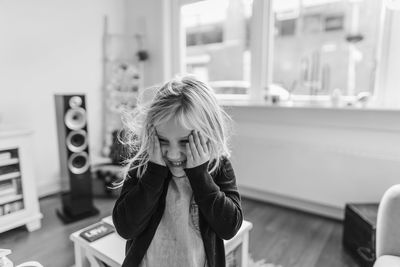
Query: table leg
point(80, 256)
point(245, 249)
point(94, 262)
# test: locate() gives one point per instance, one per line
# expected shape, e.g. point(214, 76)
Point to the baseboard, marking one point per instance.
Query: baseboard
point(286, 201)
point(48, 189)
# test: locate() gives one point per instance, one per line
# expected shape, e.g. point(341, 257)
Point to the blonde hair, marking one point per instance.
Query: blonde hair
point(192, 104)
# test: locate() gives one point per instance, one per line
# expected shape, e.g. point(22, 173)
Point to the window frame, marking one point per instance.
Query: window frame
point(261, 49)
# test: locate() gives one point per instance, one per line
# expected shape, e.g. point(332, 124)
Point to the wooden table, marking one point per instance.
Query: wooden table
point(110, 249)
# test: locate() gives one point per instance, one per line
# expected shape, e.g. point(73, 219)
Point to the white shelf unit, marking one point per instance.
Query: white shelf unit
point(123, 79)
point(8, 176)
point(6, 162)
point(19, 204)
point(10, 198)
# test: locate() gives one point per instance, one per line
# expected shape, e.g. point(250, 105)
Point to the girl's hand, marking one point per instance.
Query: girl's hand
point(197, 150)
point(155, 148)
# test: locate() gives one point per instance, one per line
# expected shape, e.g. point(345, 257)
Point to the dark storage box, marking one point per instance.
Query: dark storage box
point(359, 231)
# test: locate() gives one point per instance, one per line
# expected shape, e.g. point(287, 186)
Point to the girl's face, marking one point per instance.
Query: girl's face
point(173, 139)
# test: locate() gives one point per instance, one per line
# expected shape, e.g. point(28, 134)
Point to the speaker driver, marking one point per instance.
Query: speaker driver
point(77, 141)
point(75, 102)
point(75, 118)
point(78, 163)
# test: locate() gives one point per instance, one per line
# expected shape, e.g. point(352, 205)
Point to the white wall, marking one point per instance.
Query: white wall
point(315, 159)
point(147, 18)
point(48, 47)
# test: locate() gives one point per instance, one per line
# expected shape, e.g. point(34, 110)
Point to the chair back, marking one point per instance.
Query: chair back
point(388, 223)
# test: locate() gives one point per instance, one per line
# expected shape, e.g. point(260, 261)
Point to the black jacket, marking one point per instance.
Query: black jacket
point(139, 208)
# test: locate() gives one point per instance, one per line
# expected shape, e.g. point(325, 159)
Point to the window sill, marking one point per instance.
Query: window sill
point(305, 102)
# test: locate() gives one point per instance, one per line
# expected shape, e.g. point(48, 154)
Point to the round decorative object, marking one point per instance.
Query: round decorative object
point(142, 55)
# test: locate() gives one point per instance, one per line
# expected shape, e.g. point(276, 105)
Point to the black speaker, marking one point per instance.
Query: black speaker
point(76, 179)
point(359, 228)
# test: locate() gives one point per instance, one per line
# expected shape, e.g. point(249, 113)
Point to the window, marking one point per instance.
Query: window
point(325, 54)
point(216, 34)
point(305, 48)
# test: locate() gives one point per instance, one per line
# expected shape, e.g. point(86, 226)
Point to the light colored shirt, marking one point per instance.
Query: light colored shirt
point(177, 241)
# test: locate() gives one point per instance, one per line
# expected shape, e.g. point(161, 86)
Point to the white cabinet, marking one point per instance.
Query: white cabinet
point(19, 204)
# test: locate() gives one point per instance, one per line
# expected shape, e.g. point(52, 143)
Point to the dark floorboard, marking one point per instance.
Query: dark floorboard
point(292, 238)
point(282, 236)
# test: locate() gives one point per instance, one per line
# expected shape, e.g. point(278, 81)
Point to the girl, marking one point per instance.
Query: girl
point(179, 199)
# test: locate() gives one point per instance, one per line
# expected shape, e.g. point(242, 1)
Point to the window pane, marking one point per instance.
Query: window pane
point(322, 45)
point(217, 43)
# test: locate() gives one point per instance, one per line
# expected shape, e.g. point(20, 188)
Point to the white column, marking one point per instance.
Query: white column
point(261, 49)
point(387, 93)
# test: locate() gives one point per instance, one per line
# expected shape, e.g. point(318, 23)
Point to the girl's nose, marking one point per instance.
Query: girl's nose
point(174, 153)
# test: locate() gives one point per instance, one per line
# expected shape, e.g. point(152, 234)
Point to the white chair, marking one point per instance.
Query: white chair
point(4, 261)
point(30, 264)
point(388, 229)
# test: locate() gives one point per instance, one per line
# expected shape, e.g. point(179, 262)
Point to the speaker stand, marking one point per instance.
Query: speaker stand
point(68, 218)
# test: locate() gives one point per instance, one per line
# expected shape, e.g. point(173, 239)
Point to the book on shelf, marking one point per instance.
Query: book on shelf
point(8, 187)
point(9, 169)
point(10, 198)
point(7, 162)
point(5, 155)
point(7, 208)
point(8, 192)
point(5, 184)
point(11, 207)
point(16, 206)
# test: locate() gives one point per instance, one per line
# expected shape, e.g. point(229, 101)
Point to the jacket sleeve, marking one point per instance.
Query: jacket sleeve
point(138, 201)
point(218, 199)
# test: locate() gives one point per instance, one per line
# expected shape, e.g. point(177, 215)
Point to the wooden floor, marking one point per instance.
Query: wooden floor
point(281, 236)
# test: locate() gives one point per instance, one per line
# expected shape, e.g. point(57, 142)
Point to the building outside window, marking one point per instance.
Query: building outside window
point(217, 43)
point(320, 46)
point(315, 47)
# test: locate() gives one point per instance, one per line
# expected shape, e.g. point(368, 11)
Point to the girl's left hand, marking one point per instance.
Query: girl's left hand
point(197, 150)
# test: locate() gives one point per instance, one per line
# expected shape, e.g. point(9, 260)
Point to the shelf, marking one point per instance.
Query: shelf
point(8, 191)
point(11, 175)
point(8, 199)
point(6, 162)
point(120, 60)
point(19, 218)
point(19, 204)
point(122, 94)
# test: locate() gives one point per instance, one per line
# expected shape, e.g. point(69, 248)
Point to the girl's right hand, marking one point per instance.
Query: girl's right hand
point(155, 148)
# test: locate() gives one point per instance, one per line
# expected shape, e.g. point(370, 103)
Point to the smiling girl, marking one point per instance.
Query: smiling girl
point(179, 199)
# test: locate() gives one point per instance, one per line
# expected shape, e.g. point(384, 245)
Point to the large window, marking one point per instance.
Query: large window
point(293, 48)
point(326, 45)
point(216, 34)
